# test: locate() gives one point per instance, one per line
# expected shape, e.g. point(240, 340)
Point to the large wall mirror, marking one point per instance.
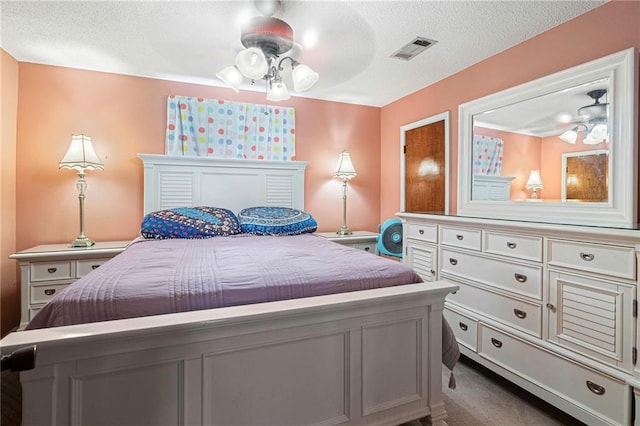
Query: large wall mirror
point(560, 149)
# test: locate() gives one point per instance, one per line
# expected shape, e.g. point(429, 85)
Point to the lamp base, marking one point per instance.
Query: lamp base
point(344, 231)
point(82, 241)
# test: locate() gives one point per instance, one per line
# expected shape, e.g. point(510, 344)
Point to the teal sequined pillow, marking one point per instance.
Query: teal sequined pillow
point(276, 221)
point(189, 222)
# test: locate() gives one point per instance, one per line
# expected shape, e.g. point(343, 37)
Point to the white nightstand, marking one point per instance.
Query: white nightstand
point(362, 240)
point(47, 269)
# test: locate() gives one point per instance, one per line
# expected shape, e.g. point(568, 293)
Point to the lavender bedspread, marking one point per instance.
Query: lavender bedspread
point(154, 277)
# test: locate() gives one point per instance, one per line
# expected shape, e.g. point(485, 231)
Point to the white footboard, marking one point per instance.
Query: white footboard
point(363, 358)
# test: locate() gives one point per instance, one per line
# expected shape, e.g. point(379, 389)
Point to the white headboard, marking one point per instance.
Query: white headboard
point(233, 184)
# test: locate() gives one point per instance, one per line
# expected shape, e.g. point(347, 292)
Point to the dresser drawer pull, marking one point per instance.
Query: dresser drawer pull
point(511, 245)
point(52, 270)
point(421, 231)
point(520, 314)
point(365, 249)
point(463, 326)
point(587, 256)
point(550, 306)
point(460, 237)
point(453, 261)
point(597, 389)
point(495, 342)
point(50, 291)
point(96, 266)
point(520, 278)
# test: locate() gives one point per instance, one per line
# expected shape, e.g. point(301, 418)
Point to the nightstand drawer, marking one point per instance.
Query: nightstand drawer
point(461, 237)
point(609, 260)
point(368, 247)
point(84, 266)
point(519, 246)
point(48, 271)
point(44, 293)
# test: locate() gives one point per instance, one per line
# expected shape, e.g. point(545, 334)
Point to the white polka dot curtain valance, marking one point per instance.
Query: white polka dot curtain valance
point(198, 127)
point(487, 155)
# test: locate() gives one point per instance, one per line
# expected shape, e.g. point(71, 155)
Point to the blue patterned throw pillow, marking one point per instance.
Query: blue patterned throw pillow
point(276, 221)
point(189, 222)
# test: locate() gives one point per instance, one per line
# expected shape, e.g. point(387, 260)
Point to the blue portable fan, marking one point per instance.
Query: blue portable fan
point(390, 238)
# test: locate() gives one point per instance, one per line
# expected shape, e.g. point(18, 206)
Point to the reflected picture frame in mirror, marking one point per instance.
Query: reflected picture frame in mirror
point(610, 82)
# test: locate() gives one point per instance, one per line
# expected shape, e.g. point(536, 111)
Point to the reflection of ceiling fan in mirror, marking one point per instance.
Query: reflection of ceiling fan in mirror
point(593, 121)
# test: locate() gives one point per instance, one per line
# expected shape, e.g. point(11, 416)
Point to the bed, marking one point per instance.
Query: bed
point(303, 355)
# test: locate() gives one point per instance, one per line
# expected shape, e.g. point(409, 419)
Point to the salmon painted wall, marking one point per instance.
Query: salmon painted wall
point(126, 115)
point(9, 287)
point(557, 49)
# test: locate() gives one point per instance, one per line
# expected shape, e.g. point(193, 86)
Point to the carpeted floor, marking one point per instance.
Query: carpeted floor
point(481, 398)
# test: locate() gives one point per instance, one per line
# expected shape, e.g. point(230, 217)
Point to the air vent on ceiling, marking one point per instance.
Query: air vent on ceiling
point(413, 48)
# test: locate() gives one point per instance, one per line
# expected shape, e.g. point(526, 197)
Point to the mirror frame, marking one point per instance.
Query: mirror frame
point(621, 210)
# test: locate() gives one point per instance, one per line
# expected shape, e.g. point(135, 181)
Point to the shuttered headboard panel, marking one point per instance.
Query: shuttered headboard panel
point(233, 184)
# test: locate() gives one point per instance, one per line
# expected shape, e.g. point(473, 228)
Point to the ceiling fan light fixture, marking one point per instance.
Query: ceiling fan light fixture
point(231, 77)
point(596, 135)
point(265, 39)
point(252, 63)
point(303, 78)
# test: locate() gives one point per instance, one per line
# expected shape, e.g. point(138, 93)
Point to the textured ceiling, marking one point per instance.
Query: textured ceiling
point(191, 41)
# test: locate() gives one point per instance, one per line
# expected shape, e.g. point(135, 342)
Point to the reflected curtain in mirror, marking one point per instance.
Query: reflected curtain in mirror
point(487, 155)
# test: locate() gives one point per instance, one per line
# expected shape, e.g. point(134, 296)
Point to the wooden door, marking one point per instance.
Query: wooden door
point(586, 177)
point(425, 169)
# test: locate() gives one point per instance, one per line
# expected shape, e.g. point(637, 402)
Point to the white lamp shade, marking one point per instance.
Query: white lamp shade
point(534, 181)
point(252, 63)
point(278, 92)
point(345, 169)
point(303, 78)
point(81, 155)
point(596, 135)
point(231, 77)
point(570, 136)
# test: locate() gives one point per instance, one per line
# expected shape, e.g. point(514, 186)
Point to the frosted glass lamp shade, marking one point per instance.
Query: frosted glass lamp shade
point(570, 136)
point(278, 92)
point(252, 63)
point(303, 78)
point(81, 156)
point(596, 135)
point(345, 169)
point(231, 77)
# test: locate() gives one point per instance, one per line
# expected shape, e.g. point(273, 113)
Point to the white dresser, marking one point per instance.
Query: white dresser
point(553, 308)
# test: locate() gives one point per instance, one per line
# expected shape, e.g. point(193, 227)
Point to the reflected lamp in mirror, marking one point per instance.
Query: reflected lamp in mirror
point(346, 172)
point(80, 157)
point(534, 183)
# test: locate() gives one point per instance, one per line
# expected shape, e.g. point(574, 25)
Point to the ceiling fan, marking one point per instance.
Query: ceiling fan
point(593, 120)
point(266, 39)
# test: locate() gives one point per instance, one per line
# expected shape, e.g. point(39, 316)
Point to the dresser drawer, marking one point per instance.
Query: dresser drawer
point(504, 274)
point(44, 293)
point(524, 316)
point(422, 232)
point(599, 393)
point(460, 237)
point(49, 271)
point(522, 247)
point(465, 328)
point(609, 260)
point(84, 266)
